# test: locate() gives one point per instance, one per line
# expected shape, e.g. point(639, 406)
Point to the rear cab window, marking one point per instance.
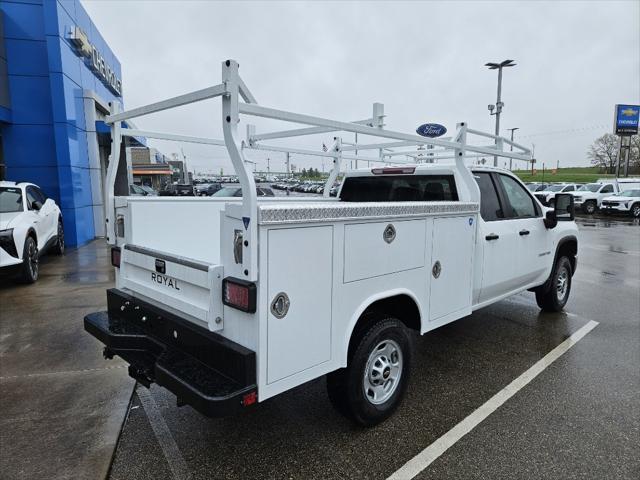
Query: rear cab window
point(399, 188)
point(490, 206)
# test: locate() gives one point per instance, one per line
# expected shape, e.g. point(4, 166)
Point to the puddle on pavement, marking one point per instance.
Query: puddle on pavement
point(91, 276)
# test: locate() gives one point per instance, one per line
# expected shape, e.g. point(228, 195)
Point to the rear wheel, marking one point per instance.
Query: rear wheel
point(635, 210)
point(590, 207)
point(555, 297)
point(29, 271)
point(59, 246)
point(372, 386)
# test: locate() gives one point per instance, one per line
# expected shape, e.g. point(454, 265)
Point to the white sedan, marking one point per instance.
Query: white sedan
point(624, 202)
point(30, 224)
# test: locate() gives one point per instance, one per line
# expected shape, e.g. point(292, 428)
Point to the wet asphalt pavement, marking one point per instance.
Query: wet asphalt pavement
point(61, 405)
point(580, 418)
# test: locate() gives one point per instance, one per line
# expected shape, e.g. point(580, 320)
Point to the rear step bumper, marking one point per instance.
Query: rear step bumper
point(203, 369)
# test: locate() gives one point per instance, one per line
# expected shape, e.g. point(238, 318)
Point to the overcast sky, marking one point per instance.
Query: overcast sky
point(423, 60)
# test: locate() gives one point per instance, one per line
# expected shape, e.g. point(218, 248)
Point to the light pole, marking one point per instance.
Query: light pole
point(512, 130)
point(498, 106)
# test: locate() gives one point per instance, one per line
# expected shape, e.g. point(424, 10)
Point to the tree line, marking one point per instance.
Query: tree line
point(604, 152)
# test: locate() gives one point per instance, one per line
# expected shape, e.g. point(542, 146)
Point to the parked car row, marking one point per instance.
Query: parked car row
point(305, 187)
point(237, 192)
point(606, 195)
point(207, 189)
point(142, 190)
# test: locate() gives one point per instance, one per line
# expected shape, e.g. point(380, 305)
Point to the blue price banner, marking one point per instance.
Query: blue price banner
point(626, 119)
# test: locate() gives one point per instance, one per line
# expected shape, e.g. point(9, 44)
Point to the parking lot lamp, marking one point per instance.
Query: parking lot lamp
point(498, 106)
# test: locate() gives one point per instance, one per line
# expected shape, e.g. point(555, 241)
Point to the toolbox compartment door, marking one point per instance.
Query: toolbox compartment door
point(300, 266)
point(451, 280)
point(369, 251)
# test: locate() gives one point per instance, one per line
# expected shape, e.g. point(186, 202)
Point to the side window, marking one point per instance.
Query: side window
point(31, 197)
point(607, 189)
point(569, 188)
point(490, 208)
point(522, 205)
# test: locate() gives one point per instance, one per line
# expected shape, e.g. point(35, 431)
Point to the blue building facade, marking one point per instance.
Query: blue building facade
point(58, 78)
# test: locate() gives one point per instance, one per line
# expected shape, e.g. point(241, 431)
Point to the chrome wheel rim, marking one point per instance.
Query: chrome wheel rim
point(591, 208)
point(562, 284)
point(636, 211)
point(32, 259)
point(383, 371)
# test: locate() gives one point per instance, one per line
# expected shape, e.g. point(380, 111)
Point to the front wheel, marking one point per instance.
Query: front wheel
point(590, 207)
point(555, 297)
point(59, 245)
point(29, 271)
point(635, 210)
point(372, 386)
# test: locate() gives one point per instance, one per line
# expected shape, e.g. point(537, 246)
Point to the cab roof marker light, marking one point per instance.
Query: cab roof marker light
point(393, 170)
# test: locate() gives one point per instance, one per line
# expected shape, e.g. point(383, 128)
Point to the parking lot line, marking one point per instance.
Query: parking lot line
point(170, 449)
point(421, 461)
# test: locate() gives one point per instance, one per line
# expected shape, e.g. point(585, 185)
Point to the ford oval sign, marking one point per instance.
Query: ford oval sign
point(431, 130)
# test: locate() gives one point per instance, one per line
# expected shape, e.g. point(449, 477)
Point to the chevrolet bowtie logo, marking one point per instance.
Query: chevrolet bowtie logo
point(629, 112)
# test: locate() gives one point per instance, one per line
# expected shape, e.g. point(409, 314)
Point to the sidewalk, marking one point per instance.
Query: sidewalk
point(61, 404)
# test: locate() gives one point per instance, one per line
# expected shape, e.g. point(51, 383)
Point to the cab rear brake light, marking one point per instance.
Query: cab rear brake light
point(239, 294)
point(392, 170)
point(115, 256)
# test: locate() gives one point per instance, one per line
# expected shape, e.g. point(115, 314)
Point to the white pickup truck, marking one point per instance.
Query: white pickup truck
point(245, 298)
point(589, 197)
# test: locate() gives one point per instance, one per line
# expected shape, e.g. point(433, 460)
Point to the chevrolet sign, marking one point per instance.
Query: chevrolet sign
point(95, 60)
point(626, 119)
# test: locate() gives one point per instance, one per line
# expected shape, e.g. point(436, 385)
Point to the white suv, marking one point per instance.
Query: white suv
point(624, 202)
point(30, 224)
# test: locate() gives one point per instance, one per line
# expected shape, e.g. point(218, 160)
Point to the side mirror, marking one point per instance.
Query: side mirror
point(36, 205)
point(564, 207)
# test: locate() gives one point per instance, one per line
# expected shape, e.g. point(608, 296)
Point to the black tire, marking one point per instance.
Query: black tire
point(590, 207)
point(30, 262)
point(555, 297)
point(381, 351)
point(58, 247)
point(552, 203)
point(635, 210)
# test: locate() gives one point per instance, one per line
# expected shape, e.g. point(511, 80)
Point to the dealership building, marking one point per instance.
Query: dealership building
point(58, 77)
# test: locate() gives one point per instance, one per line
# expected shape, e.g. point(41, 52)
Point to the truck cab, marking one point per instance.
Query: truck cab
point(589, 197)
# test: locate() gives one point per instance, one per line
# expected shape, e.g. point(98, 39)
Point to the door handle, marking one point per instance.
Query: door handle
point(492, 236)
point(524, 232)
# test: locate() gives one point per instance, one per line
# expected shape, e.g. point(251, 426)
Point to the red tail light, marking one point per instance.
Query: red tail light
point(239, 294)
point(392, 170)
point(249, 399)
point(115, 256)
